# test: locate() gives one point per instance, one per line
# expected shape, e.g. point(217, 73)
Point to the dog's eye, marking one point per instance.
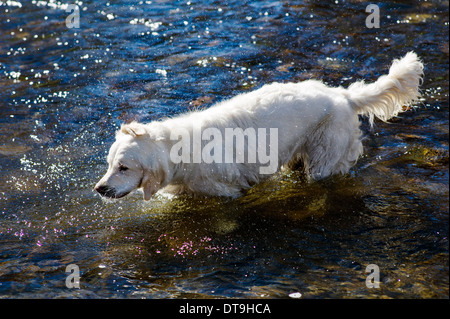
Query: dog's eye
point(122, 168)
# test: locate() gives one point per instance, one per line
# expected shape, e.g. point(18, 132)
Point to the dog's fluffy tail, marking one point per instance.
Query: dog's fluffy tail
point(390, 93)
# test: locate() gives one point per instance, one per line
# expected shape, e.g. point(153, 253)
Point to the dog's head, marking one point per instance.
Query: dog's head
point(134, 161)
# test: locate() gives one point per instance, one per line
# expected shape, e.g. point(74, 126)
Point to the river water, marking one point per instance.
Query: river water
point(65, 91)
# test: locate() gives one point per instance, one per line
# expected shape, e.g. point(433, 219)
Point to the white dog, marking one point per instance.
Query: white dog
point(307, 123)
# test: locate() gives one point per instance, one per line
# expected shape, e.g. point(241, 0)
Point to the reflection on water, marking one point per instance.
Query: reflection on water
point(65, 92)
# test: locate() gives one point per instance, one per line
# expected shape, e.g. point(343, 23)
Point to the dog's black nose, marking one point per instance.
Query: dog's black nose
point(105, 190)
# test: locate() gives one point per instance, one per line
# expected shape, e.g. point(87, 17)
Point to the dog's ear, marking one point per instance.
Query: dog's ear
point(134, 129)
point(149, 190)
point(151, 183)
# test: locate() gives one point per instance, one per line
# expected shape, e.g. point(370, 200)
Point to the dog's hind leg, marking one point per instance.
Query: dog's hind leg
point(331, 148)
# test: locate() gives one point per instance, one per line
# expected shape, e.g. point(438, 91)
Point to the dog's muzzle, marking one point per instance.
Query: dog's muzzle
point(107, 191)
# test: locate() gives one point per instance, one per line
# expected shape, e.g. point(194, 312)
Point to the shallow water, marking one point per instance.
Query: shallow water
point(65, 91)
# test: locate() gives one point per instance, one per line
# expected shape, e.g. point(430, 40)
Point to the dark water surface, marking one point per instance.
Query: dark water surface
point(65, 91)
